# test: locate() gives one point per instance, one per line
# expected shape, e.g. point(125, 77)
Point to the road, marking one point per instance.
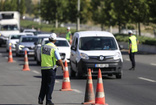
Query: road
point(19, 87)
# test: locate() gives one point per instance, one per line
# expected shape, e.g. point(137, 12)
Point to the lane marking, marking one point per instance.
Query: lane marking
point(77, 91)
point(57, 81)
point(127, 59)
point(153, 64)
point(146, 79)
point(35, 71)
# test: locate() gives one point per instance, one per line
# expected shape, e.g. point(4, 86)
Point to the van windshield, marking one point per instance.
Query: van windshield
point(97, 43)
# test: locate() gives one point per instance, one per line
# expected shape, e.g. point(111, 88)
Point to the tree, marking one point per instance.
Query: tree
point(53, 10)
point(103, 12)
point(22, 7)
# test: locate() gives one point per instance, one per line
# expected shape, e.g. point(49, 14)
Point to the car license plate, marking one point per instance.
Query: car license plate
point(30, 52)
point(101, 65)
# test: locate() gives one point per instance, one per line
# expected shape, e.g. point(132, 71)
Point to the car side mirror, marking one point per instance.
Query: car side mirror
point(73, 48)
point(35, 43)
point(121, 47)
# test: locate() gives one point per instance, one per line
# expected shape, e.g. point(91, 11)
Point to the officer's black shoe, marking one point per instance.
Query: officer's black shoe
point(40, 101)
point(132, 68)
point(49, 103)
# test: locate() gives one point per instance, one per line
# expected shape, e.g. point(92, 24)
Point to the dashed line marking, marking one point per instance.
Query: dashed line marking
point(127, 59)
point(77, 91)
point(35, 71)
point(57, 81)
point(153, 64)
point(146, 79)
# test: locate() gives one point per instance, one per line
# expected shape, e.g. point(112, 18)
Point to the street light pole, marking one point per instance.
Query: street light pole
point(78, 17)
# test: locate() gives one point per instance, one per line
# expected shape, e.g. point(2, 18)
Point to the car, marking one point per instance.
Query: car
point(13, 39)
point(95, 50)
point(34, 31)
point(63, 48)
point(38, 43)
point(26, 43)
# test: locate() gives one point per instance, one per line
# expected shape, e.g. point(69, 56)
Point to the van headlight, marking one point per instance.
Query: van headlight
point(117, 56)
point(21, 47)
point(84, 56)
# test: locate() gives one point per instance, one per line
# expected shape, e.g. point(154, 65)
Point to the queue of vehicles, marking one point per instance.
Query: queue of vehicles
point(89, 49)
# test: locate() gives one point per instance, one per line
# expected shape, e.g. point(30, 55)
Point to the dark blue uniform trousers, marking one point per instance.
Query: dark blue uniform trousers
point(47, 84)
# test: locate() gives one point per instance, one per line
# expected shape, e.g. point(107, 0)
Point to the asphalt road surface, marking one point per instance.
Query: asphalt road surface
point(19, 87)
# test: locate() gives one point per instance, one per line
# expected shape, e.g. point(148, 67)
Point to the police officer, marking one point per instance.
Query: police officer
point(69, 35)
point(49, 57)
point(132, 48)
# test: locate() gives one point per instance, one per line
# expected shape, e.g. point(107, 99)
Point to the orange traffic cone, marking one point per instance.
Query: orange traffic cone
point(66, 81)
point(26, 64)
point(89, 94)
point(100, 95)
point(10, 59)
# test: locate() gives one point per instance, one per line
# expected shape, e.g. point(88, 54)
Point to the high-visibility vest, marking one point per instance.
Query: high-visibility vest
point(48, 60)
point(134, 47)
point(68, 35)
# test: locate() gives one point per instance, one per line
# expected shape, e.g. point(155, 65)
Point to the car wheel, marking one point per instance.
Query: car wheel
point(17, 55)
point(7, 50)
point(38, 62)
point(118, 76)
point(72, 72)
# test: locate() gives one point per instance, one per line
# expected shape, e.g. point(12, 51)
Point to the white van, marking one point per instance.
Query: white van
point(94, 50)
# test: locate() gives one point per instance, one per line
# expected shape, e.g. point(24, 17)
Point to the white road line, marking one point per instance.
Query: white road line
point(146, 79)
point(153, 64)
point(127, 59)
point(35, 71)
point(57, 81)
point(77, 91)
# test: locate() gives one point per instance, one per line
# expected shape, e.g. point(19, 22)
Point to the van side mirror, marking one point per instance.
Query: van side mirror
point(121, 47)
point(73, 48)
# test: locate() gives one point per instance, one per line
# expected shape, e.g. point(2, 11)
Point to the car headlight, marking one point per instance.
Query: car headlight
point(21, 47)
point(117, 56)
point(84, 56)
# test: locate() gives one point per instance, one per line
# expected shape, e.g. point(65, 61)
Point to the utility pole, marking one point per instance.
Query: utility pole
point(39, 12)
point(78, 17)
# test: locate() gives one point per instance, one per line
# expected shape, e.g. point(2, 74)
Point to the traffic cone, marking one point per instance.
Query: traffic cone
point(89, 94)
point(66, 81)
point(10, 58)
point(100, 95)
point(26, 64)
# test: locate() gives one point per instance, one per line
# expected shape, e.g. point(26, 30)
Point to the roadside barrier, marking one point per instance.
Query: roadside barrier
point(66, 81)
point(89, 93)
point(26, 63)
point(10, 58)
point(100, 95)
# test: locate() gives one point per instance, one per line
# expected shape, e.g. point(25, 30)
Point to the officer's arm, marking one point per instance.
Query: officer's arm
point(57, 55)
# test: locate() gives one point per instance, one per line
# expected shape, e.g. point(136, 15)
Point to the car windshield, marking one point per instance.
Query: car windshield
point(59, 43)
point(29, 39)
point(97, 43)
point(9, 28)
point(15, 36)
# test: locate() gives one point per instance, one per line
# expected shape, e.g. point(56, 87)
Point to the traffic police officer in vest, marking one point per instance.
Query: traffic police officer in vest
point(132, 48)
point(69, 35)
point(49, 57)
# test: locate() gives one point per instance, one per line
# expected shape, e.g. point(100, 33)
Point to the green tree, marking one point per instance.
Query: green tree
point(13, 5)
point(103, 12)
point(7, 5)
point(22, 7)
point(53, 10)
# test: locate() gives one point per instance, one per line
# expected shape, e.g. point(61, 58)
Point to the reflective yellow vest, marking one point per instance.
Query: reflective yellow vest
point(68, 36)
point(134, 47)
point(48, 60)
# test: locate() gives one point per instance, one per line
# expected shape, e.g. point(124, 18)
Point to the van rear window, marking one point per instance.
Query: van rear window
point(97, 43)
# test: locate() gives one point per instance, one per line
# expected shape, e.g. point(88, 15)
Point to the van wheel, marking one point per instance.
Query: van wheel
point(118, 76)
point(72, 73)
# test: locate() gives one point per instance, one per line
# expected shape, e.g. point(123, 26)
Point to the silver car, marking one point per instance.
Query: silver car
point(26, 43)
point(12, 41)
